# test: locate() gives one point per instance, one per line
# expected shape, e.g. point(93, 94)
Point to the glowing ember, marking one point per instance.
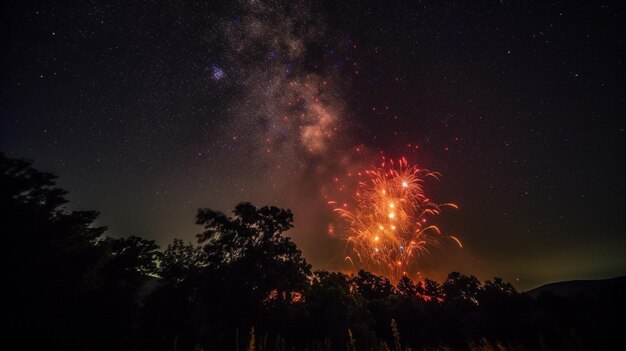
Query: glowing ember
point(386, 227)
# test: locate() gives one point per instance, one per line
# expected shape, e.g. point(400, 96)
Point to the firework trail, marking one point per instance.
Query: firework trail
point(389, 226)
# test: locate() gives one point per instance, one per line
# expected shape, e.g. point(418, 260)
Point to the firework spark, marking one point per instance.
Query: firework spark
point(390, 224)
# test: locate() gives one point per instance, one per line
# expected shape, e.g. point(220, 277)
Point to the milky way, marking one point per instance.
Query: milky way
point(286, 110)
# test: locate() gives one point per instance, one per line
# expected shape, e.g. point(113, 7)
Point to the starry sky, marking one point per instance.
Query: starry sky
point(149, 110)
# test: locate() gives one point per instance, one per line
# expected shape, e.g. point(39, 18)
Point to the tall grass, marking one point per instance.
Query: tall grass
point(482, 345)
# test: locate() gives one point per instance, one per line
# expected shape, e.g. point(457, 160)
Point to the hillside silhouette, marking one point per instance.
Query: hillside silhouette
point(579, 287)
point(244, 285)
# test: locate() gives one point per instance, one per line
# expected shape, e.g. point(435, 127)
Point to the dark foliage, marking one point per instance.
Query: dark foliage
point(72, 288)
point(69, 287)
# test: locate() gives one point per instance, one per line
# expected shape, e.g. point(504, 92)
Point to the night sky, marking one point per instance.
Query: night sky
point(149, 110)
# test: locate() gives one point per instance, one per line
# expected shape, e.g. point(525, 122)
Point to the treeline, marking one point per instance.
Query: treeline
point(245, 285)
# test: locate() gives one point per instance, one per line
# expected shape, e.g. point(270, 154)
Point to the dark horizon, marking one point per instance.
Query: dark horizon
point(147, 113)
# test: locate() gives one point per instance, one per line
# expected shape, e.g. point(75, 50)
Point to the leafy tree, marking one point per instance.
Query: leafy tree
point(69, 286)
point(381, 297)
point(253, 240)
point(179, 261)
point(244, 271)
point(168, 318)
point(334, 309)
point(461, 288)
point(372, 286)
point(132, 259)
point(433, 290)
point(129, 264)
point(498, 287)
point(52, 254)
point(502, 312)
point(406, 287)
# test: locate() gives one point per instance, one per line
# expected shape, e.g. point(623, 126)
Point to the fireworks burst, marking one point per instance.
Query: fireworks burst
point(389, 225)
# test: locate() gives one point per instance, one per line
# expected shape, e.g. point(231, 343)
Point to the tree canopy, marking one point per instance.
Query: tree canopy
point(245, 282)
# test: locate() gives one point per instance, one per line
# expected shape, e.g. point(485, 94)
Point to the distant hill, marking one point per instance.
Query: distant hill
point(579, 287)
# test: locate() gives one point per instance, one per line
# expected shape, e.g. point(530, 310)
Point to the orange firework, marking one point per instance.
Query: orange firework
point(389, 226)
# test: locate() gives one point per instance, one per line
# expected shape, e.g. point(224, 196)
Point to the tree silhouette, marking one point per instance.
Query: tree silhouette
point(243, 270)
point(372, 286)
point(52, 254)
point(126, 268)
point(69, 286)
point(333, 309)
point(433, 291)
point(406, 287)
point(170, 313)
point(253, 241)
point(132, 258)
point(181, 260)
point(459, 288)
